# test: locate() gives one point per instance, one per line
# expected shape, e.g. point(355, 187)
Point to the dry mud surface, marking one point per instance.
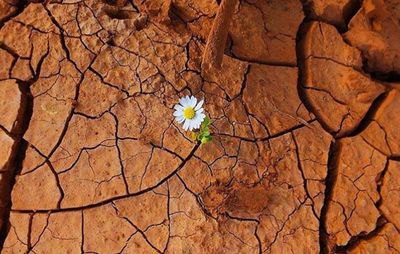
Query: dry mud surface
point(305, 111)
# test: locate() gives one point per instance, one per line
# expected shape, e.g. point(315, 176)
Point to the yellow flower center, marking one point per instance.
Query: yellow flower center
point(189, 113)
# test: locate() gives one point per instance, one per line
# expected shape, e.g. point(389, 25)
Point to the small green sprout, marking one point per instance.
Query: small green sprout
point(203, 134)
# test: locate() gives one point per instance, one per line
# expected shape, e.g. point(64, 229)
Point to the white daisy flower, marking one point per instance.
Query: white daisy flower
point(189, 112)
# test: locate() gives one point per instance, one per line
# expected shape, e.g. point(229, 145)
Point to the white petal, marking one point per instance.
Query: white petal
point(178, 113)
point(184, 101)
point(178, 107)
point(188, 99)
point(199, 111)
point(180, 119)
point(198, 119)
point(194, 125)
point(202, 116)
point(195, 119)
point(192, 101)
point(181, 100)
point(186, 125)
point(198, 125)
point(190, 126)
point(198, 106)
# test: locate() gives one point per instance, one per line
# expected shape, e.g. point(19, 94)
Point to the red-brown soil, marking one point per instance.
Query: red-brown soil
point(305, 117)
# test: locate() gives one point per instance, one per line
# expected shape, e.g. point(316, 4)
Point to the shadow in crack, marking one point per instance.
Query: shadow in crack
point(115, 13)
point(119, 3)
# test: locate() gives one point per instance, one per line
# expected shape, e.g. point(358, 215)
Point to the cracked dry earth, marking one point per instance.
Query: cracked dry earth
point(305, 111)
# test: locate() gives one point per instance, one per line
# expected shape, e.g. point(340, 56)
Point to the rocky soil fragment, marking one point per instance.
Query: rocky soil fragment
point(335, 12)
point(17, 238)
point(10, 102)
point(382, 133)
point(386, 241)
point(275, 184)
point(7, 9)
point(353, 206)
point(339, 93)
point(390, 194)
point(265, 89)
point(265, 31)
point(375, 30)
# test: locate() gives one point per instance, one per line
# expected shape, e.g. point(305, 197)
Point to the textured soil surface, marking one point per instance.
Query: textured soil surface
point(305, 118)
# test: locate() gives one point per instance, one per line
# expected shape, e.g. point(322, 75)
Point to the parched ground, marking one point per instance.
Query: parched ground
point(306, 120)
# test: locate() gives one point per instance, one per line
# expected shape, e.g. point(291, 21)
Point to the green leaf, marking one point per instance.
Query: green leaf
point(206, 122)
point(206, 132)
point(200, 136)
point(204, 135)
point(206, 139)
